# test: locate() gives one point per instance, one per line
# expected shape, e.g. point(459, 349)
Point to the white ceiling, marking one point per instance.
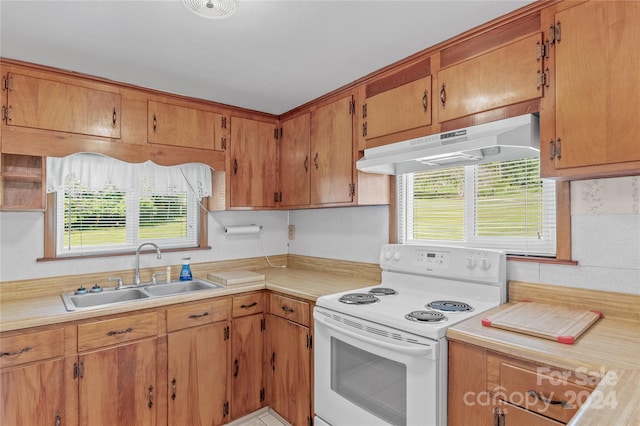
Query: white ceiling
point(270, 56)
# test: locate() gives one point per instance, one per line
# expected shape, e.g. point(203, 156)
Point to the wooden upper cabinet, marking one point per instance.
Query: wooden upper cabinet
point(253, 163)
point(295, 161)
point(500, 77)
point(593, 129)
point(185, 126)
point(53, 105)
point(332, 162)
point(397, 102)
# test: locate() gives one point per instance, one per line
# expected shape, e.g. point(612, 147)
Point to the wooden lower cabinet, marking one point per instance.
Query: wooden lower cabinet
point(117, 386)
point(486, 388)
point(247, 387)
point(197, 375)
point(34, 394)
point(289, 371)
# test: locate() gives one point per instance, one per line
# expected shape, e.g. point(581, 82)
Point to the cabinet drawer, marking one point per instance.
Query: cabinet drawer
point(119, 330)
point(23, 348)
point(248, 304)
point(291, 309)
point(196, 314)
point(550, 395)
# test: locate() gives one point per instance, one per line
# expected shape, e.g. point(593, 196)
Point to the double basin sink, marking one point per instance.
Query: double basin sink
point(112, 296)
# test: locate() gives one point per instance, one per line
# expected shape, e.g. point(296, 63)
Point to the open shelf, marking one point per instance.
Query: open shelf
point(22, 182)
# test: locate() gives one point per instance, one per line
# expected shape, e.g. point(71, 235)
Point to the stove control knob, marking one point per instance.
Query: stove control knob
point(485, 264)
point(387, 254)
point(396, 255)
point(471, 262)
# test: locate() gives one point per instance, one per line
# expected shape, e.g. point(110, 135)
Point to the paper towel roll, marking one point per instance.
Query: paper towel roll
point(241, 230)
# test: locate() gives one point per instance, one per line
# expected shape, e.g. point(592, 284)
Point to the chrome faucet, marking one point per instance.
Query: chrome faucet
point(159, 255)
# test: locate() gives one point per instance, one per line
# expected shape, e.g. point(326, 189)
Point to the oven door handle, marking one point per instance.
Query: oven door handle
point(418, 350)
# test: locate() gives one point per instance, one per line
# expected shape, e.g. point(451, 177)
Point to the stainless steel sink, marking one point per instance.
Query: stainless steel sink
point(111, 296)
point(106, 297)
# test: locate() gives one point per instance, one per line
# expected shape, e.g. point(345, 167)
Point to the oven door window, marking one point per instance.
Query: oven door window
point(373, 383)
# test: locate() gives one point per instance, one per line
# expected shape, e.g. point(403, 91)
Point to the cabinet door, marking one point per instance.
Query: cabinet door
point(247, 388)
point(290, 375)
point(118, 386)
point(181, 126)
point(509, 415)
point(295, 161)
point(332, 162)
point(399, 102)
point(253, 163)
point(51, 105)
point(33, 395)
point(467, 394)
point(500, 77)
point(597, 84)
point(198, 362)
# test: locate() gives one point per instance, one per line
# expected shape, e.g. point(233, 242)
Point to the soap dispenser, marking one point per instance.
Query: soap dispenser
point(185, 272)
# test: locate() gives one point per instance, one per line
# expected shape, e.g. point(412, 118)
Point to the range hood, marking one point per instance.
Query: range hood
point(508, 139)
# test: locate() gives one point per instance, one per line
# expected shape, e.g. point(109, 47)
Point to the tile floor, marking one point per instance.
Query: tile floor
point(263, 417)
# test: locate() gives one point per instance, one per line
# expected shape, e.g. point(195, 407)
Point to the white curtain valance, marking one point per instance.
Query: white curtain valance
point(96, 171)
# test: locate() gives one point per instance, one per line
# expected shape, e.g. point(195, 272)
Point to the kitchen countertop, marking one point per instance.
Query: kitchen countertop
point(610, 348)
point(302, 283)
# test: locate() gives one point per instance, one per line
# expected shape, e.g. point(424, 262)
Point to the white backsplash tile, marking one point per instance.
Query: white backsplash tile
point(620, 280)
point(611, 241)
point(606, 196)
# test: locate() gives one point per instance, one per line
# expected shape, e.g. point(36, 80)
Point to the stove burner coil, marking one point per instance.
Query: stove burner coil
point(382, 291)
point(358, 298)
point(449, 306)
point(426, 316)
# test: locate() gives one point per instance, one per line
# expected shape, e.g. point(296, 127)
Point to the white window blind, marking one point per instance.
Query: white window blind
point(502, 205)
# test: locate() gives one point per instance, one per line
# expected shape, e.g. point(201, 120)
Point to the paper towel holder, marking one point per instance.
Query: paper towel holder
point(242, 229)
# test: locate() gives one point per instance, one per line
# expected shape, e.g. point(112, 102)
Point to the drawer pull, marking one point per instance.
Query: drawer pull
point(116, 332)
point(150, 405)
point(287, 309)
point(539, 396)
point(173, 389)
point(249, 306)
point(204, 314)
point(18, 352)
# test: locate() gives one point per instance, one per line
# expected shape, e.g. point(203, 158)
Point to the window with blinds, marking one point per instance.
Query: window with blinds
point(110, 221)
point(503, 205)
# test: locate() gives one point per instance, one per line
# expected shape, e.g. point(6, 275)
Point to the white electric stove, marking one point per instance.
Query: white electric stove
point(381, 352)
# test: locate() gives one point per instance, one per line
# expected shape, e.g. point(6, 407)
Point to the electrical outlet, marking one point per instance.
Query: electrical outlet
point(292, 232)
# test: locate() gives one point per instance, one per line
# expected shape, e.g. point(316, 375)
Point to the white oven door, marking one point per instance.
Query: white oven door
point(367, 374)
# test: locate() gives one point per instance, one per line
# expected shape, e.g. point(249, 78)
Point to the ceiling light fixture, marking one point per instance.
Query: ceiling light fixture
point(212, 9)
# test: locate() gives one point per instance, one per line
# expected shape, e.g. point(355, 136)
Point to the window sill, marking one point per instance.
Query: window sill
point(127, 253)
point(538, 259)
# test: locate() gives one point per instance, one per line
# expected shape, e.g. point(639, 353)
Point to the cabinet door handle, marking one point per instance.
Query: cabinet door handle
point(498, 417)
point(116, 332)
point(251, 305)
point(287, 309)
point(235, 166)
point(542, 398)
point(58, 420)
point(315, 161)
point(425, 102)
point(155, 123)
point(443, 96)
point(273, 361)
point(150, 396)
point(306, 163)
point(18, 352)
point(114, 118)
point(204, 314)
point(173, 389)
point(236, 367)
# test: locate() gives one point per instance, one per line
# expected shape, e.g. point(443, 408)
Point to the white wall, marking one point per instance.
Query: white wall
point(605, 230)
point(22, 242)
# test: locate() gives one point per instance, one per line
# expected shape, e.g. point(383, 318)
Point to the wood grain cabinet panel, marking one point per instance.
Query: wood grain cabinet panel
point(295, 161)
point(116, 331)
point(501, 77)
point(332, 159)
point(52, 105)
point(197, 375)
point(117, 386)
point(248, 304)
point(247, 384)
point(184, 126)
point(253, 168)
point(34, 394)
point(291, 309)
point(30, 347)
point(194, 314)
point(592, 128)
